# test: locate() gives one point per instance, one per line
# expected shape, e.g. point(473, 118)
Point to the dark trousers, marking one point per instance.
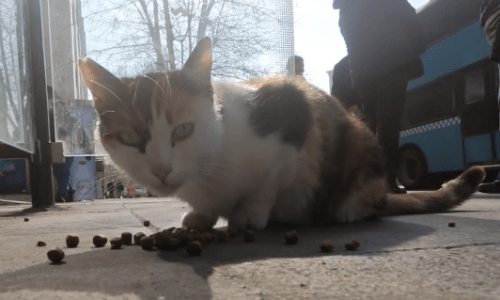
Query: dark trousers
point(383, 101)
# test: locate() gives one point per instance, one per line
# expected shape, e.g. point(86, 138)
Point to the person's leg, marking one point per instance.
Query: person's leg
point(391, 95)
point(367, 91)
point(492, 187)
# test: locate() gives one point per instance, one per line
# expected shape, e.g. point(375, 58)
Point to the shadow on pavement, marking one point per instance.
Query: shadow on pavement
point(175, 275)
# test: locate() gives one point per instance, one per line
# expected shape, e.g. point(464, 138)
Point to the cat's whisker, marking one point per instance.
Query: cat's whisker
point(169, 90)
point(162, 90)
point(106, 112)
point(134, 98)
point(116, 96)
point(180, 93)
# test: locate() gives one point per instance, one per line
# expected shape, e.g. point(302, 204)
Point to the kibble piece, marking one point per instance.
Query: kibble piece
point(210, 236)
point(194, 248)
point(184, 237)
point(180, 230)
point(160, 239)
point(147, 243)
point(165, 241)
point(26, 219)
point(200, 238)
point(291, 237)
point(99, 240)
point(72, 241)
point(127, 238)
point(41, 243)
point(223, 236)
point(352, 245)
point(249, 235)
point(147, 223)
point(451, 224)
point(116, 243)
point(137, 237)
point(169, 230)
point(326, 246)
point(55, 255)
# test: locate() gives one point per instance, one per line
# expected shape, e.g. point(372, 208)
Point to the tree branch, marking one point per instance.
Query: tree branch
point(205, 12)
point(170, 35)
point(154, 32)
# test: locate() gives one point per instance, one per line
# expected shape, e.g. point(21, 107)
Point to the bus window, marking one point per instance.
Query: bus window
point(435, 108)
point(431, 102)
point(474, 87)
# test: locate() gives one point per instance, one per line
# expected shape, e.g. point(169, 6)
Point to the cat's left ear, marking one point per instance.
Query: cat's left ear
point(200, 60)
point(106, 88)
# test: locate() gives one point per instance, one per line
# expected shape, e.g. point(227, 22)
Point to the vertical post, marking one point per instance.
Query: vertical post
point(41, 177)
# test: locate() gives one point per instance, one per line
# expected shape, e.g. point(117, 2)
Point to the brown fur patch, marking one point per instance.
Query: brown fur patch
point(350, 160)
point(280, 105)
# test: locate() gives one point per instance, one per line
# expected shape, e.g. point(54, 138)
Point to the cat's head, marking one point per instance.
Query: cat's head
point(159, 128)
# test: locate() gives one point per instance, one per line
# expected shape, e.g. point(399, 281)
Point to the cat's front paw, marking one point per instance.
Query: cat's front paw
point(199, 221)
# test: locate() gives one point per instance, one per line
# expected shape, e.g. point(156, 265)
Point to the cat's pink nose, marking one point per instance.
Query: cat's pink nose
point(161, 172)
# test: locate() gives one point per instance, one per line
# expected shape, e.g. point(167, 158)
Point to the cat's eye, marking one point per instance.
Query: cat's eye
point(129, 138)
point(182, 132)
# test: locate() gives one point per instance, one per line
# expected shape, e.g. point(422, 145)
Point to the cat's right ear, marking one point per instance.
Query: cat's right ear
point(105, 87)
point(200, 60)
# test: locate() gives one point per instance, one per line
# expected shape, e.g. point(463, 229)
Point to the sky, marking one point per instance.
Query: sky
point(318, 39)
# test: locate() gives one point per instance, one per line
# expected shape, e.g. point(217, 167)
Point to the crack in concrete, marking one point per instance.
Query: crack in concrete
point(141, 219)
point(431, 248)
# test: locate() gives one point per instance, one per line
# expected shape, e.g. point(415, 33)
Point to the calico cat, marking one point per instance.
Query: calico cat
point(274, 149)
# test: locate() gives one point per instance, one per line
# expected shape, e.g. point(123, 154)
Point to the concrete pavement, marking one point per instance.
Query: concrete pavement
point(404, 257)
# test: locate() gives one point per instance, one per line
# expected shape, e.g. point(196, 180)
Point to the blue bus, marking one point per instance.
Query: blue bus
point(451, 117)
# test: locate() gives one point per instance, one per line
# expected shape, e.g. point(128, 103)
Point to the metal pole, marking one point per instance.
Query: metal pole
point(41, 171)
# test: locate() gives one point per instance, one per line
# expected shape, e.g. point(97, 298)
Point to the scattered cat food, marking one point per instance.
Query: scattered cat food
point(147, 223)
point(223, 236)
point(127, 238)
point(179, 230)
point(249, 235)
point(210, 236)
point(184, 236)
point(55, 255)
point(116, 243)
point(147, 243)
point(166, 241)
point(451, 224)
point(137, 238)
point(41, 244)
point(352, 245)
point(26, 219)
point(200, 237)
point(194, 248)
point(326, 246)
point(72, 241)
point(169, 230)
point(291, 237)
point(99, 240)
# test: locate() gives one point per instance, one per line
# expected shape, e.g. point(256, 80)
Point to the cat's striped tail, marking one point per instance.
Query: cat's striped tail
point(452, 194)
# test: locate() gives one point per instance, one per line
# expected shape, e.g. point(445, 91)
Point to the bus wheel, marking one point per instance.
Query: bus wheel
point(412, 168)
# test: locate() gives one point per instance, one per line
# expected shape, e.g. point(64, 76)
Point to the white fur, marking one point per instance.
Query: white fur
point(255, 169)
point(223, 169)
